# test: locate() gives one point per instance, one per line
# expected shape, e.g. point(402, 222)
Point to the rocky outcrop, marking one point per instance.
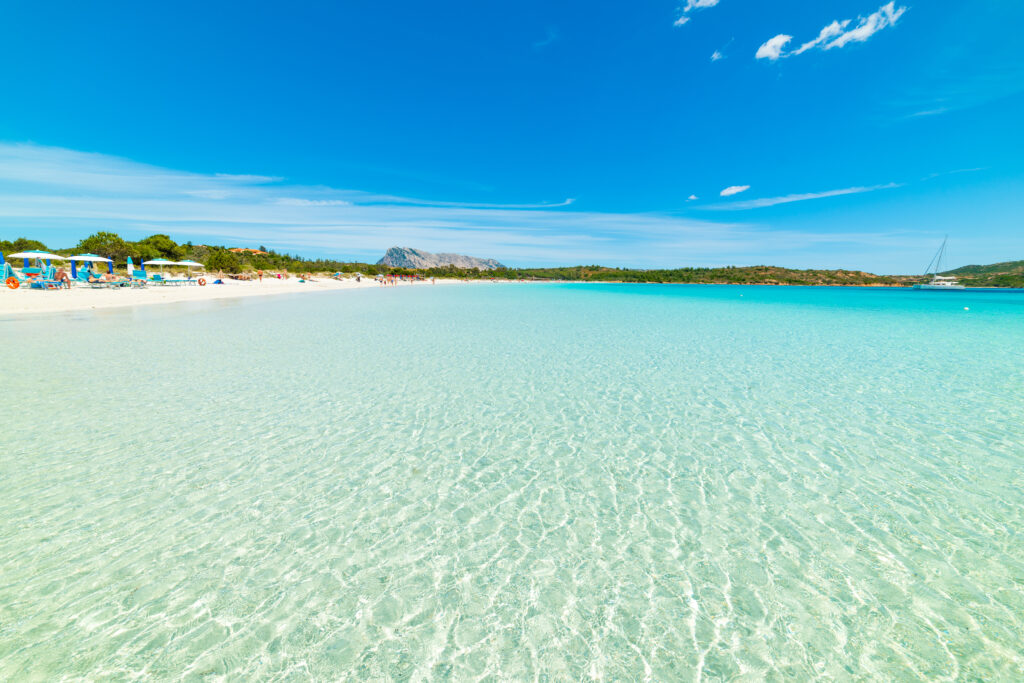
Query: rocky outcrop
point(404, 257)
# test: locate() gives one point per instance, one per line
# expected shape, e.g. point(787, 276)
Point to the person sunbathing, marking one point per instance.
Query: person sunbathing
point(62, 277)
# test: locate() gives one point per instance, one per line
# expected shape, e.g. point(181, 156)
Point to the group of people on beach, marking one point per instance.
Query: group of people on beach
point(392, 280)
point(64, 278)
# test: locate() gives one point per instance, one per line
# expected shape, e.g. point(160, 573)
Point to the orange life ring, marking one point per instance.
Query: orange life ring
point(12, 282)
point(202, 282)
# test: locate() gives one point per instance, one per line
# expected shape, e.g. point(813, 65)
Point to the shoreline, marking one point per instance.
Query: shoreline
point(24, 302)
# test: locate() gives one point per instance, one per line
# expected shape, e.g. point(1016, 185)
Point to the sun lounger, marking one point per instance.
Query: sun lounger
point(45, 283)
point(12, 278)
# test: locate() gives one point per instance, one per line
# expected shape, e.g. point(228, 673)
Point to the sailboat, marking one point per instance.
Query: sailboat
point(939, 282)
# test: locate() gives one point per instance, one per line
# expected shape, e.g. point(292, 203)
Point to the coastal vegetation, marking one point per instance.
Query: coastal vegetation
point(1006, 274)
point(242, 260)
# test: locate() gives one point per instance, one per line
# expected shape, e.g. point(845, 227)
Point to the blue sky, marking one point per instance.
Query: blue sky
point(842, 133)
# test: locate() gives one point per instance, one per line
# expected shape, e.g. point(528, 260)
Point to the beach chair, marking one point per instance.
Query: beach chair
point(12, 278)
point(107, 284)
point(138, 278)
point(81, 278)
point(46, 284)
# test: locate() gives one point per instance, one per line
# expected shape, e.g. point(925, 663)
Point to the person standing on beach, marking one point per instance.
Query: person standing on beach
point(260, 273)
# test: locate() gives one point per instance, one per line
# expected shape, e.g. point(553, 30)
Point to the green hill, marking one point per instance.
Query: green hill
point(1006, 274)
point(1006, 267)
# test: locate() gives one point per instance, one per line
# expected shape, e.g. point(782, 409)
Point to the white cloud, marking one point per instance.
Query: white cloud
point(930, 112)
point(254, 179)
point(699, 4)
point(691, 5)
point(836, 34)
point(887, 15)
point(298, 201)
point(772, 49)
point(692, 198)
point(827, 33)
point(773, 201)
point(734, 189)
point(716, 55)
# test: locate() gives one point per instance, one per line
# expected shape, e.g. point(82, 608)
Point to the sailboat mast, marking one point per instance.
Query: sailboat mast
point(937, 259)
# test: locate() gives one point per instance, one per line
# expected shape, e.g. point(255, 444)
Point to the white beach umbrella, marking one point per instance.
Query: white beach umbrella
point(45, 255)
point(159, 262)
point(188, 263)
point(91, 258)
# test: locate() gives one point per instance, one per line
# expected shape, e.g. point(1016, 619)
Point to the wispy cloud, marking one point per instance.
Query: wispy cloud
point(690, 6)
point(61, 195)
point(734, 189)
point(699, 4)
point(930, 112)
point(835, 35)
point(887, 15)
point(787, 199)
point(692, 198)
point(550, 36)
point(949, 88)
point(828, 33)
point(717, 55)
point(298, 201)
point(956, 171)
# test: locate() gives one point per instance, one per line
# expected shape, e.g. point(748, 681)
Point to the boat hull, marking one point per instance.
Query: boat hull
point(941, 288)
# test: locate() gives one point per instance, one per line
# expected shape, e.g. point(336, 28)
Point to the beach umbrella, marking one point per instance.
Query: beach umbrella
point(45, 255)
point(190, 265)
point(35, 253)
point(89, 258)
point(159, 262)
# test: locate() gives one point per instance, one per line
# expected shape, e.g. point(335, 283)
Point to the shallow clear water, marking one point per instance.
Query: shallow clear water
point(517, 482)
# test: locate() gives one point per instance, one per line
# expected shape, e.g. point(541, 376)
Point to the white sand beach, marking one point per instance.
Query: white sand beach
point(29, 301)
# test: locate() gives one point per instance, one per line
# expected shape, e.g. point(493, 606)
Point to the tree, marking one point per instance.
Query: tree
point(21, 244)
point(160, 246)
point(109, 244)
point(222, 259)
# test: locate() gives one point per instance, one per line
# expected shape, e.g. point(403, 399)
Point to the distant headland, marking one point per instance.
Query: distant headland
point(417, 259)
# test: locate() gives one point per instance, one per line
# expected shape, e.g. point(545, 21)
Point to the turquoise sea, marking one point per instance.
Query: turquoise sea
point(517, 482)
